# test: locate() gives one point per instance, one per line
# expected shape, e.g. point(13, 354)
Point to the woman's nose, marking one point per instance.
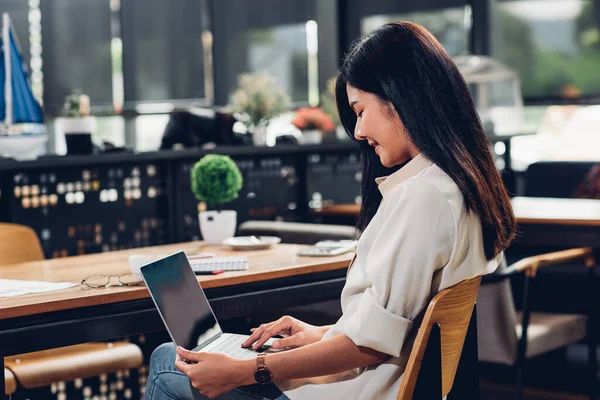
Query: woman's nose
point(358, 133)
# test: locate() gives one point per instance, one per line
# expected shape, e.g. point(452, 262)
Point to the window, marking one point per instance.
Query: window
point(450, 26)
point(279, 37)
point(76, 38)
point(18, 10)
point(554, 45)
point(163, 50)
point(448, 20)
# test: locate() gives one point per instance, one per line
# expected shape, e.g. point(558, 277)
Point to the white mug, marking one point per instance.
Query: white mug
point(137, 261)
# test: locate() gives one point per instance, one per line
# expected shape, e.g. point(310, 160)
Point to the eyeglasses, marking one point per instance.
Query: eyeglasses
point(101, 281)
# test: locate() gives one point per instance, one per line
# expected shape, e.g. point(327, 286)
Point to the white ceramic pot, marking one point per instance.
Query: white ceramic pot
point(340, 133)
point(311, 136)
point(259, 136)
point(217, 226)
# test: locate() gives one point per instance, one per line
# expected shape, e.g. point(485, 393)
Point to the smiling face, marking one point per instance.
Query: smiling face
point(380, 125)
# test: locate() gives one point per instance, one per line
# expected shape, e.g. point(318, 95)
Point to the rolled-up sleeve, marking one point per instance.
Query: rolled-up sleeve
point(415, 237)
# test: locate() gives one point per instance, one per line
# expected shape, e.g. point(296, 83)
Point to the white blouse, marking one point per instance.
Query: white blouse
point(420, 241)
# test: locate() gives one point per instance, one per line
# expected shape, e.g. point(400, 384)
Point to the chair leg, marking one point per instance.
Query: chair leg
point(519, 382)
point(591, 337)
point(522, 346)
point(593, 367)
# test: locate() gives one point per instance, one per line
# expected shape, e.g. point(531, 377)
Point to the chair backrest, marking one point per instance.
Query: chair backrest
point(19, 243)
point(556, 178)
point(451, 309)
point(496, 321)
point(298, 232)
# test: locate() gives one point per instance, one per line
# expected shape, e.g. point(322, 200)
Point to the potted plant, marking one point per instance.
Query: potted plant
point(330, 108)
point(314, 123)
point(77, 125)
point(216, 180)
point(257, 100)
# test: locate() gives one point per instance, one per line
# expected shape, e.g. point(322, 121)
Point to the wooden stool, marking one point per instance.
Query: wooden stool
point(10, 382)
point(42, 368)
point(20, 244)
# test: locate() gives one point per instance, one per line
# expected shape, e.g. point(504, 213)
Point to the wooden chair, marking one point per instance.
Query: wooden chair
point(19, 244)
point(438, 349)
point(511, 338)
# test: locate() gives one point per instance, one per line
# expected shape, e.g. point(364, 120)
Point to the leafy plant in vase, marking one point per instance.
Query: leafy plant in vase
point(314, 123)
point(216, 180)
point(330, 108)
point(257, 100)
point(77, 125)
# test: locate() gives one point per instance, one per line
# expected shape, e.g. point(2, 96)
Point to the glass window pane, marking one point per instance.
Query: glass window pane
point(553, 45)
point(281, 52)
point(76, 38)
point(162, 49)
point(18, 10)
point(265, 35)
point(451, 26)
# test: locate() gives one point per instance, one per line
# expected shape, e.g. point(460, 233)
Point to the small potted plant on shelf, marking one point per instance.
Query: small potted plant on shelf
point(257, 100)
point(314, 123)
point(77, 126)
point(216, 180)
point(330, 108)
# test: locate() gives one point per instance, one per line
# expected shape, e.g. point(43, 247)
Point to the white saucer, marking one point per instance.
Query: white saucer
point(251, 242)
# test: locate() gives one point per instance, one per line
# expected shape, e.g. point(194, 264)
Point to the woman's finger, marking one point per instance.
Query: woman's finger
point(189, 355)
point(182, 367)
point(268, 334)
point(255, 335)
point(296, 340)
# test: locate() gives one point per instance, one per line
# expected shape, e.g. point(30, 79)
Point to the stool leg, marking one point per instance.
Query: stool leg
point(2, 381)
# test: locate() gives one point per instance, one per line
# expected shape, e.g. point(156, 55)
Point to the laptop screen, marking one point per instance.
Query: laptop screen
point(180, 301)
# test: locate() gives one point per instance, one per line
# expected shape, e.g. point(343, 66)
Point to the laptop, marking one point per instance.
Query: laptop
point(185, 310)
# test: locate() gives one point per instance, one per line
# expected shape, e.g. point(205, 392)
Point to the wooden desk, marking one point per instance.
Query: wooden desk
point(549, 211)
point(71, 316)
point(528, 210)
point(542, 221)
point(339, 210)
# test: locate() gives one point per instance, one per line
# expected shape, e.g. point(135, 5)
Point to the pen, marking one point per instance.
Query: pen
point(200, 255)
point(215, 272)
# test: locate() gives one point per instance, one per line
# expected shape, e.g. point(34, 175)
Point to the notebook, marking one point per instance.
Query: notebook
point(234, 263)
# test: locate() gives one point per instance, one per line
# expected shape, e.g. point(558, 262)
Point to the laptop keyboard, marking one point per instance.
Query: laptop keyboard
point(232, 346)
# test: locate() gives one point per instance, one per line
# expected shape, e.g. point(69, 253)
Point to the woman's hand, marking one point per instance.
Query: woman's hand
point(298, 333)
point(214, 373)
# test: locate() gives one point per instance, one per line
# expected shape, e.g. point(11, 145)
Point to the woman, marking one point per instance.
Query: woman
point(441, 218)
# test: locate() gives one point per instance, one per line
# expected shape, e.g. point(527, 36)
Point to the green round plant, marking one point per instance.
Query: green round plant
point(216, 180)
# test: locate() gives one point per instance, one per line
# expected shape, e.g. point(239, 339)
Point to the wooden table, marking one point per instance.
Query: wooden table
point(71, 316)
point(552, 211)
point(557, 222)
point(528, 210)
point(542, 221)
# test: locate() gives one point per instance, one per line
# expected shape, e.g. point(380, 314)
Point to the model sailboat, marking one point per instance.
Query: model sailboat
point(22, 131)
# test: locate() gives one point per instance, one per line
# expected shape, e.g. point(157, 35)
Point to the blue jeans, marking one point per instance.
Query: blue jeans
point(165, 382)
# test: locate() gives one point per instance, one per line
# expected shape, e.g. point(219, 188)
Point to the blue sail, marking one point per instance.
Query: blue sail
point(25, 107)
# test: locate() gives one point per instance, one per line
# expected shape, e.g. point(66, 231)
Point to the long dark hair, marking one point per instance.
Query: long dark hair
point(405, 66)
